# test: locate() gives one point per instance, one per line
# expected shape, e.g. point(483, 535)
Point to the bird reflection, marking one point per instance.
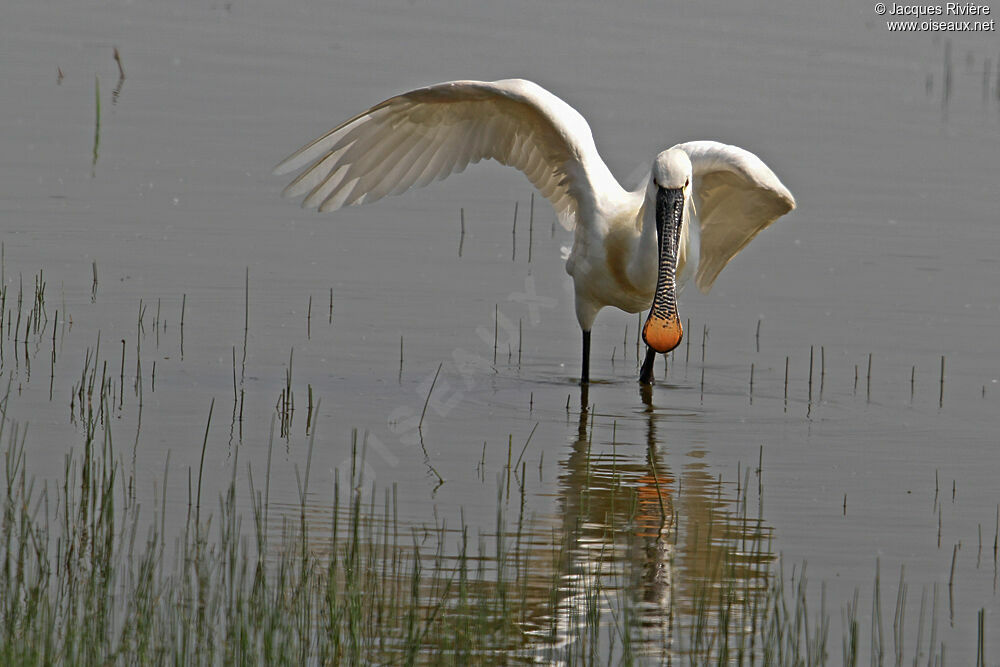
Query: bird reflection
point(624, 552)
point(639, 562)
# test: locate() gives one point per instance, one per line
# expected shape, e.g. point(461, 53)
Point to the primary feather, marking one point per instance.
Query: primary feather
point(427, 134)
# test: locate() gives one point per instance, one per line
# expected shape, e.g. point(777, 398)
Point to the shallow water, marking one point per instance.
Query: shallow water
point(889, 263)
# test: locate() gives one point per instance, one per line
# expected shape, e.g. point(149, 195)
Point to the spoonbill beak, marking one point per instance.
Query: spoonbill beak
point(662, 331)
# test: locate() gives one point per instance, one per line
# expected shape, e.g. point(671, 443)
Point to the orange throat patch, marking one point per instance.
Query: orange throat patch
point(662, 334)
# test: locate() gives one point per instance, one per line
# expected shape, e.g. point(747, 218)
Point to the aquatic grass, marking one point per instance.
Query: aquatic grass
point(285, 404)
point(116, 93)
point(513, 242)
point(87, 578)
point(97, 124)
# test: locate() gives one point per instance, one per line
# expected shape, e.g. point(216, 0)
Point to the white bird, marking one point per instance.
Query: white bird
point(702, 202)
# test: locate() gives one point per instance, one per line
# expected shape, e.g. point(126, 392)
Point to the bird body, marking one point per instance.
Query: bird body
point(613, 260)
point(702, 202)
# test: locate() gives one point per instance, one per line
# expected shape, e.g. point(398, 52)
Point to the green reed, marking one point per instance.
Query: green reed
point(89, 577)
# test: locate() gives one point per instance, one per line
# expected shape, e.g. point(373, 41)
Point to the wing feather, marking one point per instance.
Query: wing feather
point(736, 197)
point(395, 157)
point(424, 135)
point(438, 162)
point(419, 157)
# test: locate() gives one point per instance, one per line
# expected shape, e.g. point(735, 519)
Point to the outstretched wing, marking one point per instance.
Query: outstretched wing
point(736, 196)
point(427, 134)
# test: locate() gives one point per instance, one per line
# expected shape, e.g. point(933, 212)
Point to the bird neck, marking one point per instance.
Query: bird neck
point(645, 260)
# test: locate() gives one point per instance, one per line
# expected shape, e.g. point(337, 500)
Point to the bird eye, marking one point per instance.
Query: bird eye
point(687, 182)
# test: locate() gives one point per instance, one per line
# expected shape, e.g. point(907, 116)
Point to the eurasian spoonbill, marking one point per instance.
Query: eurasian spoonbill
point(630, 249)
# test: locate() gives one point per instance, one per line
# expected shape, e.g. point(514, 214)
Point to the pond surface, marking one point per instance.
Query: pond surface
point(866, 319)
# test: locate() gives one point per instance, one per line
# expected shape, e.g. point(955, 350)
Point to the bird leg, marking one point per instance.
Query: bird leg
point(585, 373)
point(646, 374)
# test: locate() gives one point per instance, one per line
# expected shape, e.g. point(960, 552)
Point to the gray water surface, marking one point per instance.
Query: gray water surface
point(891, 257)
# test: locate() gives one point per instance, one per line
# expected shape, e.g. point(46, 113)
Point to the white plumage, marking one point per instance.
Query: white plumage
point(426, 134)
